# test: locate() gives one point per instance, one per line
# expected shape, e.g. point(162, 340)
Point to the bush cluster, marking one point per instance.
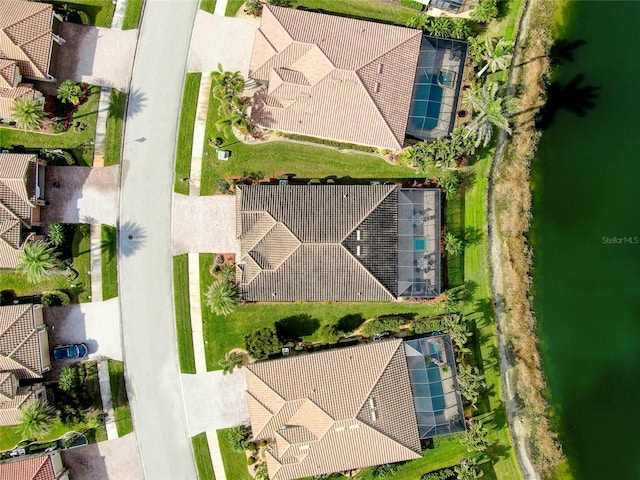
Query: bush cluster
point(55, 298)
point(380, 325)
point(262, 343)
point(330, 143)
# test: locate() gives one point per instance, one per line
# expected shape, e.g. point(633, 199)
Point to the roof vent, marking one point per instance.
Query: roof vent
point(374, 417)
point(379, 68)
point(353, 427)
point(340, 429)
point(304, 447)
point(376, 87)
point(357, 234)
point(358, 250)
point(371, 403)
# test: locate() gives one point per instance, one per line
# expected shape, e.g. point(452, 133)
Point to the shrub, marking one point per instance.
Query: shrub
point(485, 11)
point(262, 343)
point(254, 7)
point(281, 3)
point(55, 298)
point(329, 333)
point(380, 325)
point(444, 474)
point(222, 185)
point(58, 127)
point(251, 460)
point(70, 378)
point(386, 470)
point(222, 297)
point(426, 325)
point(56, 234)
point(411, 4)
point(238, 438)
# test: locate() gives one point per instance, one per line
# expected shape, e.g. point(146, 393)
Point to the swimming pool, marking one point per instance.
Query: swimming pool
point(426, 103)
point(419, 243)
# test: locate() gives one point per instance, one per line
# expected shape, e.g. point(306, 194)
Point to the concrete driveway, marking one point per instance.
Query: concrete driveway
point(214, 401)
point(204, 224)
point(99, 56)
point(211, 32)
point(84, 195)
point(116, 459)
point(95, 324)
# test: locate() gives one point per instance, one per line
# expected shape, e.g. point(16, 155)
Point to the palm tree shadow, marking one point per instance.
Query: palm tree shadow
point(137, 102)
point(573, 96)
point(132, 238)
point(563, 50)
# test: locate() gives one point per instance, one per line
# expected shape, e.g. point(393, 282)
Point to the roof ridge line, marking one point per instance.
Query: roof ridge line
point(386, 365)
point(366, 425)
point(375, 279)
point(14, 320)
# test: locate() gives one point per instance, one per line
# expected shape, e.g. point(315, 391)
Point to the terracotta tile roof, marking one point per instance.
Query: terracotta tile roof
point(26, 35)
point(12, 398)
point(8, 73)
point(317, 242)
point(38, 468)
point(337, 410)
point(20, 341)
point(8, 97)
point(360, 76)
point(17, 201)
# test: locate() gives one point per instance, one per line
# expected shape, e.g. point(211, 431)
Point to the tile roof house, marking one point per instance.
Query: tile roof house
point(334, 77)
point(28, 48)
point(332, 411)
point(22, 178)
point(47, 467)
point(24, 357)
point(337, 242)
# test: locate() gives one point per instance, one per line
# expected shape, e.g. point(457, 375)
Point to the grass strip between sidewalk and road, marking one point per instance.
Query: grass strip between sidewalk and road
point(120, 399)
point(81, 251)
point(202, 455)
point(208, 5)
point(185, 131)
point(232, 7)
point(115, 122)
point(132, 14)
point(109, 262)
point(183, 314)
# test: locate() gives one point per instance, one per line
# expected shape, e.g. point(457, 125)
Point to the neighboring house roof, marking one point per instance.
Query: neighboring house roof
point(38, 468)
point(336, 410)
point(334, 77)
point(317, 242)
point(20, 341)
point(17, 201)
point(8, 96)
point(26, 35)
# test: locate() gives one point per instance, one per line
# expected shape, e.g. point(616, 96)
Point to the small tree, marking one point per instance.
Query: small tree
point(470, 383)
point(55, 298)
point(485, 11)
point(262, 343)
point(490, 110)
point(56, 234)
point(28, 112)
point(230, 362)
point(386, 470)
point(36, 419)
point(452, 244)
point(69, 92)
point(222, 297)
point(460, 29)
point(476, 437)
point(468, 470)
point(38, 261)
point(70, 378)
point(329, 333)
point(238, 438)
point(254, 7)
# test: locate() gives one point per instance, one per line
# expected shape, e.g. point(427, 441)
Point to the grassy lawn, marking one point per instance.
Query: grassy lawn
point(203, 457)
point(95, 12)
point(81, 250)
point(132, 14)
point(115, 122)
point(109, 263)
point(80, 143)
point(235, 464)
point(185, 131)
point(387, 12)
point(183, 314)
point(119, 395)
point(208, 5)
point(21, 287)
point(277, 157)
point(232, 7)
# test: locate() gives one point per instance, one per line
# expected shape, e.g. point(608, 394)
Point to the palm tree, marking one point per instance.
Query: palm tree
point(233, 114)
point(226, 85)
point(230, 362)
point(222, 297)
point(476, 49)
point(491, 110)
point(476, 437)
point(28, 112)
point(496, 56)
point(56, 234)
point(460, 29)
point(452, 244)
point(485, 11)
point(38, 261)
point(440, 27)
point(468, 470)
point(421, 22)
point(470, 383)
point(36, 419)
point(69, 92)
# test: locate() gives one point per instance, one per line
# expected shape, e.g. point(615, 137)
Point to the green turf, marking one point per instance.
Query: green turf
point(80, 143)
point(183, 314)
point(232, 7)
point(115, 123)
point(20, 286)
point(109, 262)
point(208, 5)
point(98, 12)
point(81, 249)
point(132, 14)
point(185, 131)
point(119, 396)
point(235, 464)
point(203, 457)
point(382, 11)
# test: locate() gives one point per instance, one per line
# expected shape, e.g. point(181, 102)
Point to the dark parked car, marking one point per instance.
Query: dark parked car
point(67, 352)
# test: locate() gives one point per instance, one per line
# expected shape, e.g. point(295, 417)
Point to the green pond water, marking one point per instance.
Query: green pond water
point(586, 193)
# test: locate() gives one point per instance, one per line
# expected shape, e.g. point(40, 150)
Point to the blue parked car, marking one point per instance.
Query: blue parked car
point(67, 352)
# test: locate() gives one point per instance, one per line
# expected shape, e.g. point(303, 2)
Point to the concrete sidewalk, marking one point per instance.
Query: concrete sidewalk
point(118, 14)
point(216, 456)
point(195, 309)
point(199, 128)
point(107, 400)
point(101, 126)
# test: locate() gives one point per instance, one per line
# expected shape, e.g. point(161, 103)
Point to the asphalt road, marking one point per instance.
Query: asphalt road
point(150, 347)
